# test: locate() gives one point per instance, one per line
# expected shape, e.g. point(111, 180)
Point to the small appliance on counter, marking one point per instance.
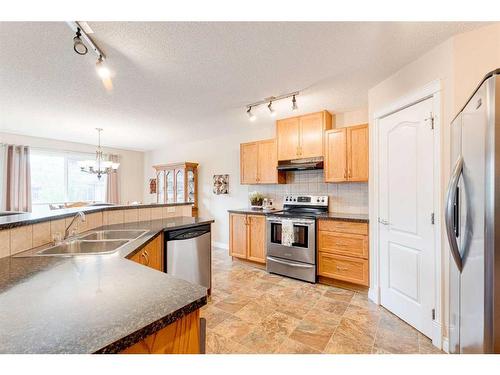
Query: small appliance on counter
point(291, 236)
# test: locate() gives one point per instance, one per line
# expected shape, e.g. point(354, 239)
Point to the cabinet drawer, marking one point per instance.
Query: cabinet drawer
point(339, 267)
point(354, 245)
point(343, 226)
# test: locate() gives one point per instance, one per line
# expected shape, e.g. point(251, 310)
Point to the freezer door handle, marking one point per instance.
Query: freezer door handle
point(451, 215)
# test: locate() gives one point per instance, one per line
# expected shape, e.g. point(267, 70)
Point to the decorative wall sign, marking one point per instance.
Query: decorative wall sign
point(221, 184)
point(152, 186)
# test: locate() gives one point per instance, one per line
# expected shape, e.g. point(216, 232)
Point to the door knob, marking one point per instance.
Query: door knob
point(383, 222)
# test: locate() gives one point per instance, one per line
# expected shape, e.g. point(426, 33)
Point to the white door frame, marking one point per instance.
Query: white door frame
point(431, 90)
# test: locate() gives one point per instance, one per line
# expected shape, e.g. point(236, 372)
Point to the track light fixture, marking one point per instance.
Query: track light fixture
point(82, 30)
point(251, 116)
point(78, 45)
point(269, 101)
point(272, 112)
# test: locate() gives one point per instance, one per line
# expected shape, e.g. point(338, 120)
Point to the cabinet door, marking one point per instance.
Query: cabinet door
point(268, 161)
point(179, 186)
point(154, 253)
point(287, 138)
point(335, 155)
point(248, 162)
point(160, 187)
point(238, 235)
point(311, 135)
point(257, 238)
point(357, 153)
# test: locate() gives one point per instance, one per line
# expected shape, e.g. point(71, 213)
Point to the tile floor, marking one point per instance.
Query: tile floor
point(252, 311)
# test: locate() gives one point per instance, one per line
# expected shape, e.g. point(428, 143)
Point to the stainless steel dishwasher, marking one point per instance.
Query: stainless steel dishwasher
point(189, 254)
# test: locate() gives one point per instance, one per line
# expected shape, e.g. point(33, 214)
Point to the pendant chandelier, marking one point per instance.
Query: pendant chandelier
point(99, 166)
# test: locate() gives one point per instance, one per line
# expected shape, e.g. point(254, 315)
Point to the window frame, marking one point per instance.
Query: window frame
point(67, 155)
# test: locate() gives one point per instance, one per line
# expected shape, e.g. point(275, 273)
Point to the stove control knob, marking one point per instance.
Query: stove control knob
point(295, 199)
point(317, 199)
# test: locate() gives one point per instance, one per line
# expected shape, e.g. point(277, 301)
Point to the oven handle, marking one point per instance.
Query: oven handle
point(290, 264)
point(299, 224)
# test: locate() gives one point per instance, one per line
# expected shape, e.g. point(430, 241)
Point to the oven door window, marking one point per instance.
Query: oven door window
point(301, 235)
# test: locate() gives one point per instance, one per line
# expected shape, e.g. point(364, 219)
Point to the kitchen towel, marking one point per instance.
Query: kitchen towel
point(287, 233)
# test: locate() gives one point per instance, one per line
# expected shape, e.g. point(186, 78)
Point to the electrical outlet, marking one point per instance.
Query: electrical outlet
point(170, 210)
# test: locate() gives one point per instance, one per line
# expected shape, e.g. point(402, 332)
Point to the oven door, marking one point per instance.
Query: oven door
point(303, 248)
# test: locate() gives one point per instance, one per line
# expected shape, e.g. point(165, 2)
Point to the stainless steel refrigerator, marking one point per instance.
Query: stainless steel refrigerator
point(472, 216)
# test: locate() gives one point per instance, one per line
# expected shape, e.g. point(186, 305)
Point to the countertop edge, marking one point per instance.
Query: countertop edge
point(134, 337)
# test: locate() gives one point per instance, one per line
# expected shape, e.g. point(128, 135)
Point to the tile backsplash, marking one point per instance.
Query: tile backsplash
point(348, 197)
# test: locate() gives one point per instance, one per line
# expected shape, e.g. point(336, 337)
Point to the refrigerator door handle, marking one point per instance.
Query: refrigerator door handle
point(449, 213)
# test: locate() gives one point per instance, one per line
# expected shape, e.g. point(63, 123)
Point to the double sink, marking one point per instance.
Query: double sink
point(95, 242)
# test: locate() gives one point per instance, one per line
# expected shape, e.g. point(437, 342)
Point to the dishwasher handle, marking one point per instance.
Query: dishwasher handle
point(188, 233)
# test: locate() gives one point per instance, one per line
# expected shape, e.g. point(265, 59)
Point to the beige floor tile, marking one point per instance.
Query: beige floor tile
point(253, 312)
point(290, 346)
point(214, 316)
point(217, 344)
point(339, 294)
point(340, 344)
point(234, 328)
point(311, 334)
point(232, 304)
point(361, 333)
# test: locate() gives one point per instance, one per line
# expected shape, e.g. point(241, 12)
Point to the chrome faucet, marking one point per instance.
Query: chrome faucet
point(79, 215)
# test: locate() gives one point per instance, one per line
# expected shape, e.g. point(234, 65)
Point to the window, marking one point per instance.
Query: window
point(57, 178)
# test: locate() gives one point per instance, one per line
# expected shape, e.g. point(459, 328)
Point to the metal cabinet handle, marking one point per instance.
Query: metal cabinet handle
point(349, 174)
point(342, 268)
point(449, 217)
point(345, 173)
point(290, 264)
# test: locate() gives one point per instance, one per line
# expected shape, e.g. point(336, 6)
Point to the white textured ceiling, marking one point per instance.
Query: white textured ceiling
point(179, 81)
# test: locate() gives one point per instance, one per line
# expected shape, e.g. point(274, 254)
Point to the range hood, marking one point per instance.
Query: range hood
point(300, 164)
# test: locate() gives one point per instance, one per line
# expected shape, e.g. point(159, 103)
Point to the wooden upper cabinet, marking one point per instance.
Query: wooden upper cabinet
point(312, 128)
point(335, 155)
point(257, 238)
point(238, 235)
point(288, 138)
point(357, 153)
point(248, 162)
point(258, 163)
point(302, 137)
point(346, 154)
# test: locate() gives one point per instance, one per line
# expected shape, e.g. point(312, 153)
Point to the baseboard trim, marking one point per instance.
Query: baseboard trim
point(374, 294)
point(220, 245)
point(437, 335)
point(446, 345)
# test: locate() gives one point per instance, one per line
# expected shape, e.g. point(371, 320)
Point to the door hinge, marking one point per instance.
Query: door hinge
point(431, 119)
point(433, 314)
point(432, 218)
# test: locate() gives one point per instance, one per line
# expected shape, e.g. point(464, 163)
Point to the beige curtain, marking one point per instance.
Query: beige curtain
point(17, 178)
point(112, 188)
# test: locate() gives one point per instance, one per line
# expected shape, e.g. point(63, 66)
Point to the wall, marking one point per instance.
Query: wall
point(221, 155)
point(131, 171)
point(352, 118)
point(459, 64)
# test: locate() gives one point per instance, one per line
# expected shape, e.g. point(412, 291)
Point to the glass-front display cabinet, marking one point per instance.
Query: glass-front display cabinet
point(177, 183)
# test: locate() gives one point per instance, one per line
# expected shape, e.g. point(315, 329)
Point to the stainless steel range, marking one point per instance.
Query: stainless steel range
point(298, 260)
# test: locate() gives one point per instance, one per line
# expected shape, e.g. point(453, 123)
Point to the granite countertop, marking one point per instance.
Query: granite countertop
point(91, 304)
point(11, 221)
point(361, 218)
point(253, 211)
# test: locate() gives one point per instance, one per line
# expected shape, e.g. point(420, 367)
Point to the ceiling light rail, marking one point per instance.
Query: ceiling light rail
point(269, 101)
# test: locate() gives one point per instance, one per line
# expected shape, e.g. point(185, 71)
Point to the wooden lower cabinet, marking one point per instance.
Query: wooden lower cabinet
point(343, 251)
point(151, 255)
point(247, 237)
point(180, 337)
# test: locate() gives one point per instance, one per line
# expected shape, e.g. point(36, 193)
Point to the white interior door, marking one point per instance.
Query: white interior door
point(406, 231)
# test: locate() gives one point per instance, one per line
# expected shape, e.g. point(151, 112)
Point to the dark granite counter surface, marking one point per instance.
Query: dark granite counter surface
point(360, 218)
point(12, 221)
point(93, 303)
point(252, 211)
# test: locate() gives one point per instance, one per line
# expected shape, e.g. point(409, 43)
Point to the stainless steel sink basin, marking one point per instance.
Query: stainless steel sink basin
point(81, 247)
point(125, 234)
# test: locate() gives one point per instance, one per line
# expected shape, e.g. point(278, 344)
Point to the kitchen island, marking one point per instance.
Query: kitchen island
point(97, 303)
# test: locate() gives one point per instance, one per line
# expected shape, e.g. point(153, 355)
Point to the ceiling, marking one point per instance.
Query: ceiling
point(175, 82)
